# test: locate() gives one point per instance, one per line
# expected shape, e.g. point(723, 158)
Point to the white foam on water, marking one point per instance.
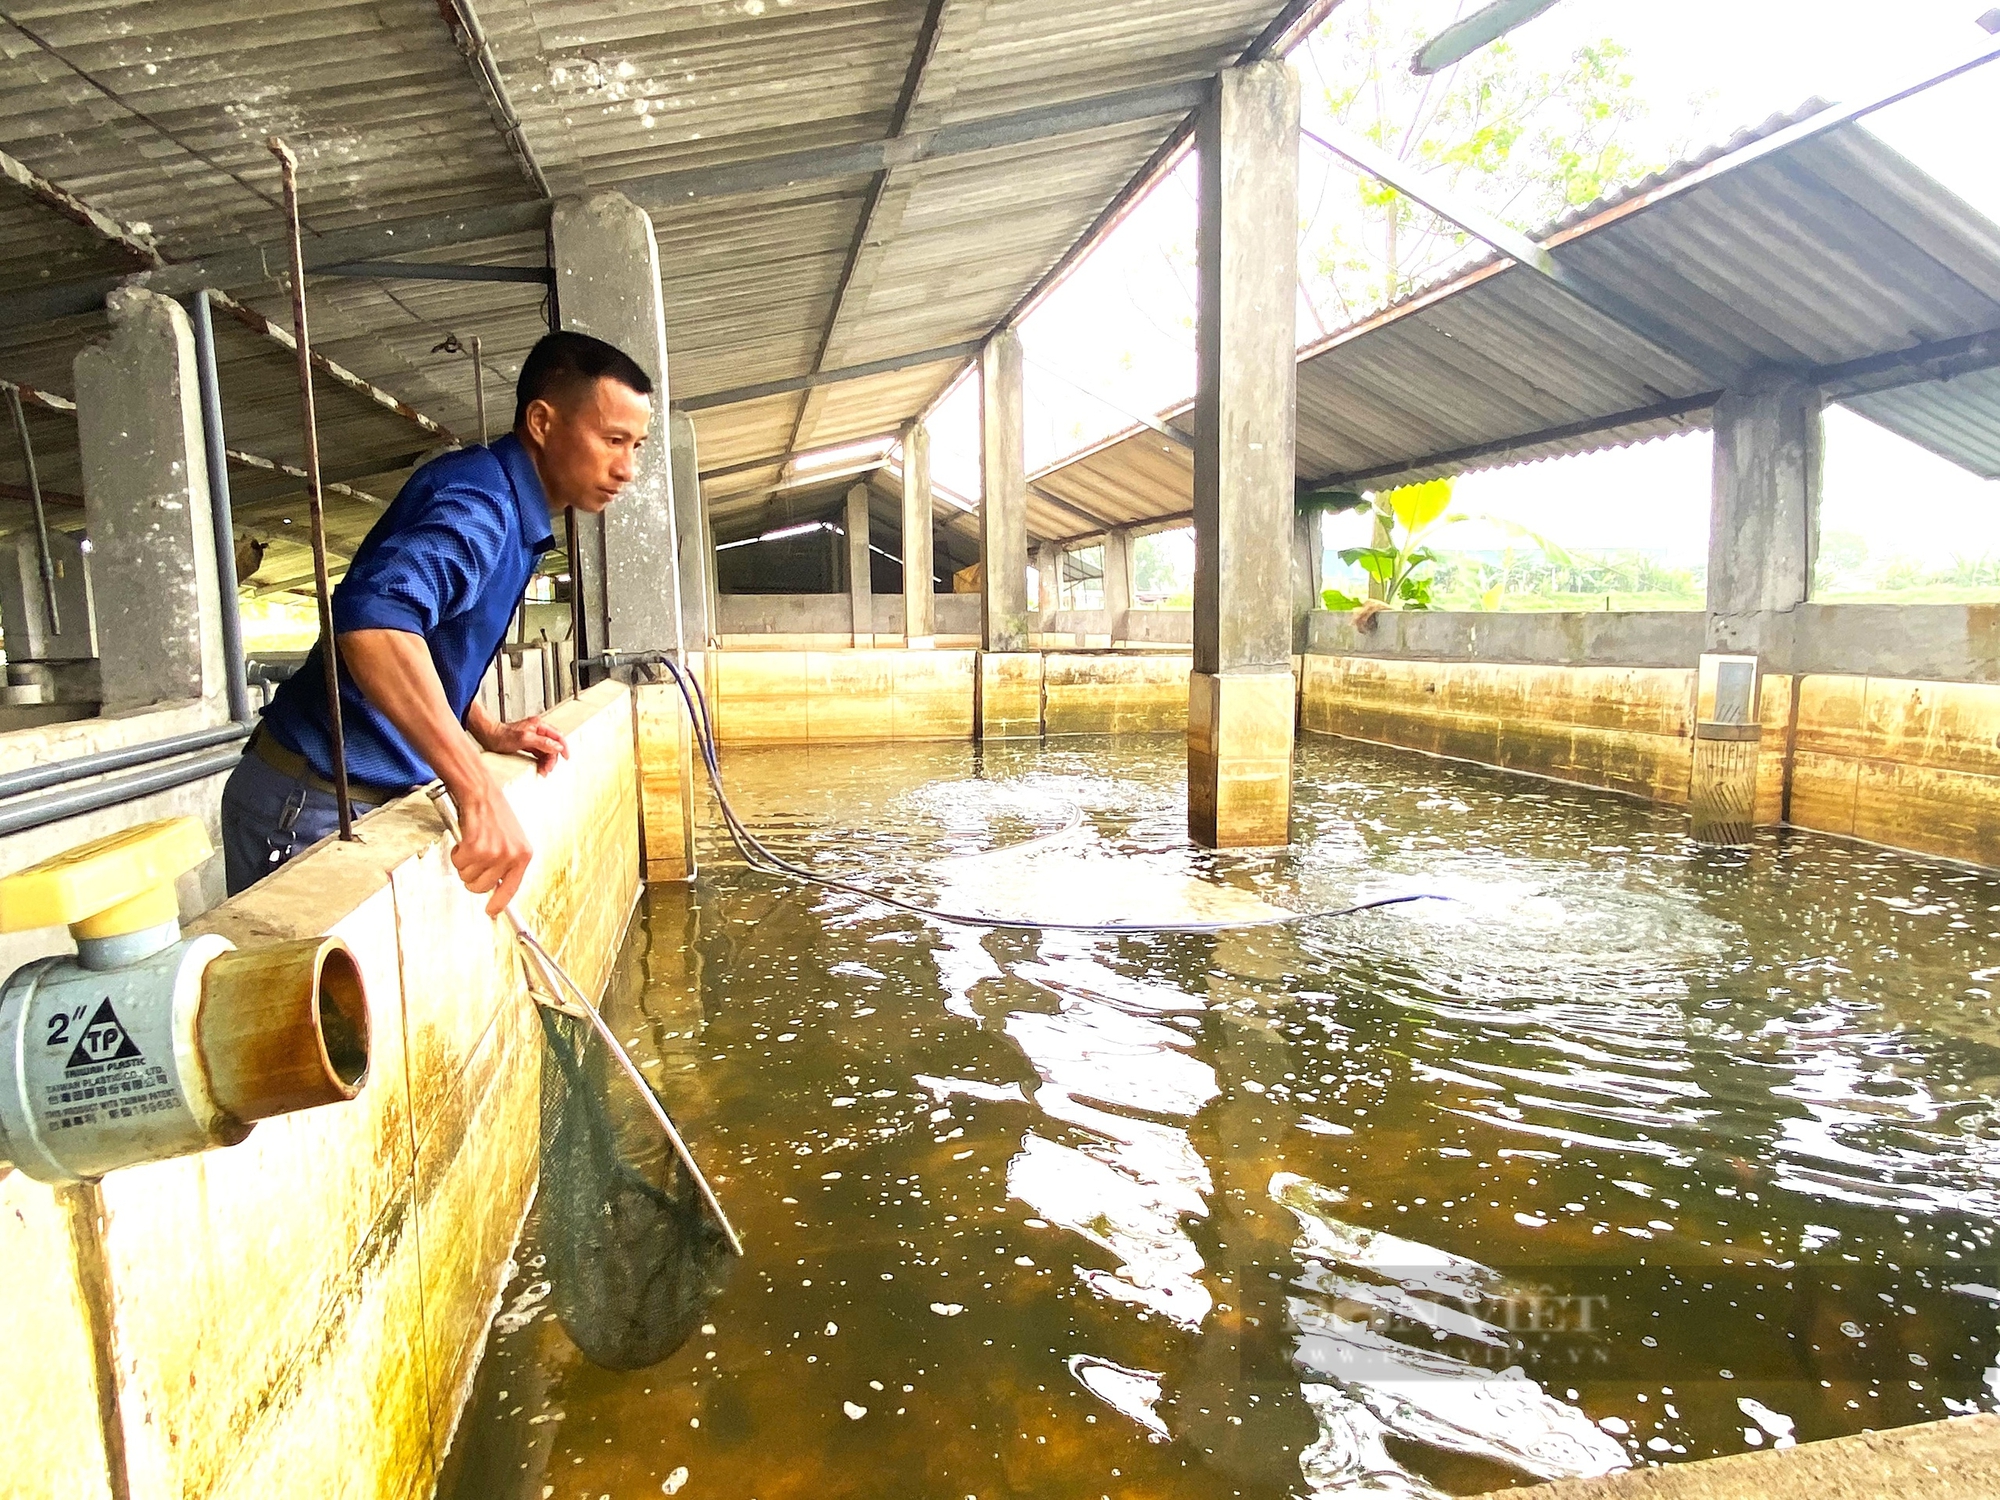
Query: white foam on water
point(971, 1088)
point(1430, 1398)
point(1132, 1393)
point(1350, 1457)
point(1412, 1265)
point(1136, 1220)
point(1774, 1423)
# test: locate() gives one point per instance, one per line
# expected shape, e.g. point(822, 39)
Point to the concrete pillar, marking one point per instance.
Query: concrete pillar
point(146, 510)
point(1003, 513)
point(1306, 581)
point(1764, 514)
point(860, 572)
point(691, 538)
point(1117, 581)
point(1048, 580)
point(627, 569)
point(919, 595)
point(1241, 698)
point(607, 266)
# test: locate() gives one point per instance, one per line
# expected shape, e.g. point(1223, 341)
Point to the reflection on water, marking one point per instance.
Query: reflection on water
point(1633, 1153)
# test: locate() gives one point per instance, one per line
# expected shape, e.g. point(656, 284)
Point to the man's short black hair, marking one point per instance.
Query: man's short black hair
point(562, 364)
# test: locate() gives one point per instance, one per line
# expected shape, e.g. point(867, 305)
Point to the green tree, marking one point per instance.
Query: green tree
point(1523, 143)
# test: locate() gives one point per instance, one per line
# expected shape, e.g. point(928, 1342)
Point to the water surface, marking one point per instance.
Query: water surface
point(1632, 1153)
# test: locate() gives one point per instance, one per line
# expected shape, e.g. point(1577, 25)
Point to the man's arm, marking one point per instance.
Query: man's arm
point(394, 671)
point(529, 736)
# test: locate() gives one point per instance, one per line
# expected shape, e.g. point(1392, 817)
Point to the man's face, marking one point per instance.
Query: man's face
point(587, 449)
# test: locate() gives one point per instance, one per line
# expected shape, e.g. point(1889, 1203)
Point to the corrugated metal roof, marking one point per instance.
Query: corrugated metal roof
point(156, 115)
point(1815, 254)
point(1959, 418)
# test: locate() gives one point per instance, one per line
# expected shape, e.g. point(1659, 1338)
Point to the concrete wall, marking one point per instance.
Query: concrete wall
point(1886, 729)
point(1896, 761)
point(841, 696)
point(822, 622)
point(825, 622)
point(299, 1315)
point(1629, 729)
point(1939, 642)
point(1655, 639)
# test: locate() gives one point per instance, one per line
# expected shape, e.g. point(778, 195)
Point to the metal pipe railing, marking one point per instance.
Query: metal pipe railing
point(60, 773)
point(18, 817)
point(221, 512)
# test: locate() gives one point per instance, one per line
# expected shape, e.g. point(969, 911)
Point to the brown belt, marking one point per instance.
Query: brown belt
point(290, 763)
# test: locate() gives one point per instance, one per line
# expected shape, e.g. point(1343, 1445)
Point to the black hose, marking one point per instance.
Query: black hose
point(759, 857)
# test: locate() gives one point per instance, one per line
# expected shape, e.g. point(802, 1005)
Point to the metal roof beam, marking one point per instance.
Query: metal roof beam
point(52, 497)
point(470, 39)
point(1290, 26)
point(1150, 525)
point(1940, 360)
point(146, 253)
point(1659, 412)
point(1172, 434)
point(411, 270)
point(817, 378)
point(1372, 161)
point(257, 323)
point(261, 263)
point(1089, 518)
point(881, 218)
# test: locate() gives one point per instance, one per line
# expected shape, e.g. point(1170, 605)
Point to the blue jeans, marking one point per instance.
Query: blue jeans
point(267, 817)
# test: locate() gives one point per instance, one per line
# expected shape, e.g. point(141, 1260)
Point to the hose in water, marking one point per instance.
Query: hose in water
point(759, 857)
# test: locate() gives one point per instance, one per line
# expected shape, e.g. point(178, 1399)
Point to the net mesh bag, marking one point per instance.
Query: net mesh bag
point(634, 1257)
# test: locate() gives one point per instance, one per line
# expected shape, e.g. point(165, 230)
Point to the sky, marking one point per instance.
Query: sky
point(1117, 337)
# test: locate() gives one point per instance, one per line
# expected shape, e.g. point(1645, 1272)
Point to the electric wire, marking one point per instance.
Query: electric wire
point(759, 857)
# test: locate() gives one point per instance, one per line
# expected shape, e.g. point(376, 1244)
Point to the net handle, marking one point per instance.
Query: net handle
point(554, 975)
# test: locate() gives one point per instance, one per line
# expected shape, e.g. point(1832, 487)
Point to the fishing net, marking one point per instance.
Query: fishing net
point(634, 1256)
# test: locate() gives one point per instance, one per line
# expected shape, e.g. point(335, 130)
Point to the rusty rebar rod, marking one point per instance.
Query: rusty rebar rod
point(288, 170)
point(479, 386)
point(48, 562)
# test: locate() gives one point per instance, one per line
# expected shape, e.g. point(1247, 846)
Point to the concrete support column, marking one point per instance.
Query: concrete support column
point(1306, 580)
point(692, 542)
point(146, 510)
point(1764, 514)
point(919, 595)
point(1117, 581)
point(1763, 541)
point(860, 572)
point(1048, 580)
point(1003, 512)
point(627, 570)
point(607, 266)
point(1241, 698)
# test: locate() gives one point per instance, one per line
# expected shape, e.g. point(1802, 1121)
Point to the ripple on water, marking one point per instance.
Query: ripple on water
point(1193, 1216)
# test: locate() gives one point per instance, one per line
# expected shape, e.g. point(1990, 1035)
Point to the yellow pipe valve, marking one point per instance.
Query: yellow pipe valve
point(146, 1045)
point(113, 887)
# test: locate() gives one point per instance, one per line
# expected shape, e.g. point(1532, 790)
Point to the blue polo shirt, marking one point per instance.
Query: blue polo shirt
point(449, 560)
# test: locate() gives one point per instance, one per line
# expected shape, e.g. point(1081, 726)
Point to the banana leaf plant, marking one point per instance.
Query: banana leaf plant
point(1403, 518)
point(1400, 559)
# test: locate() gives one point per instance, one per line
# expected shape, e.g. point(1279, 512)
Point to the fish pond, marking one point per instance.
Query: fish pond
point(1628, 1152)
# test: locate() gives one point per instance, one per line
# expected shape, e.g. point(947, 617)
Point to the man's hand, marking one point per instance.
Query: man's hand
point(492, 853)
point(394, 670)
point(521, 737)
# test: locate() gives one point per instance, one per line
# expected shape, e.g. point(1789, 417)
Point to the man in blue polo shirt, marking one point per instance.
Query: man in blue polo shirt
point(421, 615)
